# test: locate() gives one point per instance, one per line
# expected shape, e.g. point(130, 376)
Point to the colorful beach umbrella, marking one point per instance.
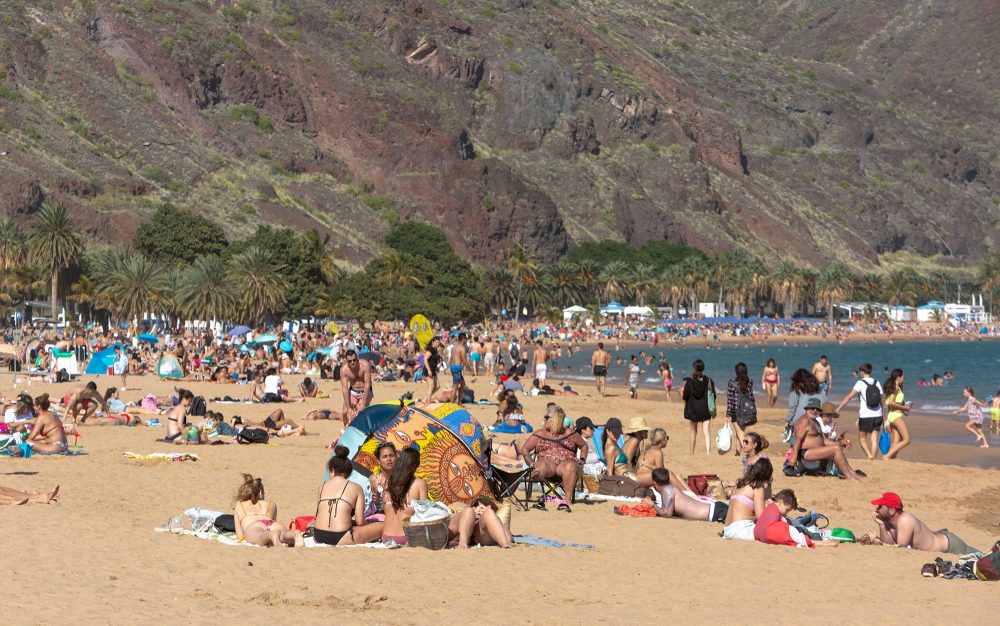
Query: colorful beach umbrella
point(147, 338)
point(266, 340)
point(239, 330)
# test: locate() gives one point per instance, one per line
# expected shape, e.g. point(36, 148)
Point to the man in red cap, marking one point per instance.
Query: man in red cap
point(897, 527)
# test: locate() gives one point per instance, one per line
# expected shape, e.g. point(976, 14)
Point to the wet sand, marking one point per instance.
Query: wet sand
point(94, 555)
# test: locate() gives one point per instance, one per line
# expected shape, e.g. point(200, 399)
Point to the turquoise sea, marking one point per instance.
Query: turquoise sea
point(975, 363)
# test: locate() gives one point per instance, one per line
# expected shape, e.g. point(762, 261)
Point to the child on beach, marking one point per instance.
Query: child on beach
point(975, 410)
point(773, 528)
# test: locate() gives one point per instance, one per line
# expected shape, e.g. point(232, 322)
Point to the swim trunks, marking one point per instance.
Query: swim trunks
point(995, 414)
point(456, 374)
point(358, 398)
point(474, 357)
point(717, 512)
point(824, 386)
point(540, 371)
point(955, 544)
point(600, 370)
point(869, 424)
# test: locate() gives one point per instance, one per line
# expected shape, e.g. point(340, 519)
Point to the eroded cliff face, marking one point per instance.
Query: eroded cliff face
point(705, 122)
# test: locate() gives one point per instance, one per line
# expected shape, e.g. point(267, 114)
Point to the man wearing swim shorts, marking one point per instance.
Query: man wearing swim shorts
point(457, 361)
point(824, 374)
point(356, 385)
point(903, 529)
point(676, 503)
point(540, 362)
point(600, 362)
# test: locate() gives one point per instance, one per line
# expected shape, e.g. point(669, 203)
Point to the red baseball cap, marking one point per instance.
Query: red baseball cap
point(890, 500)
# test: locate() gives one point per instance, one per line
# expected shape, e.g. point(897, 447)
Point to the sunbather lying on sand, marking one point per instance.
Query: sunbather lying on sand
point(896, 527)
point(16, 496)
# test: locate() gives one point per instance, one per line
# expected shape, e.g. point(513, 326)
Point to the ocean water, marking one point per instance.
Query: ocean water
point(975, 363)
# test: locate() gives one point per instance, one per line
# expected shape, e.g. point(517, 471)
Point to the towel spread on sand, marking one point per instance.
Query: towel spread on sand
point(229, 539)
point(543, 542)
point(162, 456)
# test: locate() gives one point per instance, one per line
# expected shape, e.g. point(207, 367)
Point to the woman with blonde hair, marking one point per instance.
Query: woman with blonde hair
point(256, 518)
point(652, 459)
point(556, 447)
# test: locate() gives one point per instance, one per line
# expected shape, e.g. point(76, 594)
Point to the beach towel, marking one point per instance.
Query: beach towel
point(162, 456)
point(229, 539)
point(543, 542)
point(639, 510)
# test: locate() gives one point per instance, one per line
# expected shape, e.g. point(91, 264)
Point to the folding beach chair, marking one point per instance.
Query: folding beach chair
point(505, 482)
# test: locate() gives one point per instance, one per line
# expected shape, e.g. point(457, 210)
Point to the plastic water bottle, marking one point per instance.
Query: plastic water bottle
point(202, 520)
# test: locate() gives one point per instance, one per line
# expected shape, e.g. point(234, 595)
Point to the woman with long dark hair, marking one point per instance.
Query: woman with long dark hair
point(340, 510)
point(404, 487)
point(897, 409)
point(747, 501)
point(741, 406)
point(694, 392)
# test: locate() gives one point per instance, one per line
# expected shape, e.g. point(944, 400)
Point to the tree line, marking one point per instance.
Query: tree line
point(180, 266)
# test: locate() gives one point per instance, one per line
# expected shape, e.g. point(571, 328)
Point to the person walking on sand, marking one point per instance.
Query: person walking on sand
point(540, 362)
point(633, 378)
point(599, 364)
point(975, 410)
point(897, 409)
point(872, 406)
point(458, 360)
point(824, 374)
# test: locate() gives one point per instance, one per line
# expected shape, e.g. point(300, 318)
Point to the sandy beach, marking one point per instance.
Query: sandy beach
point(94, 555)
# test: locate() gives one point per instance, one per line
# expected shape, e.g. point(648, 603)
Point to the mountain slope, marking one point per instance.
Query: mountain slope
point(814, 131)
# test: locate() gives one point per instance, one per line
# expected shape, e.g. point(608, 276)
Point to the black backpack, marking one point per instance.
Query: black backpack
point(198, 406)
point(252, 435)
point(873, 397)
point(746, 410)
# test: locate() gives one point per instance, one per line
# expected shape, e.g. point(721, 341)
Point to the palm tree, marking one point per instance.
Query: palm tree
point(565, 281)
point(205, 291)
point(397, 272)
point(871, 285)
point(319, 246)
point(84, 294)
point(56, 243)
point(133, 289)
point(670, 288)
point(989, 276)
point(500, 286)
point(901, 287)
point(786, 284)
point(588, 272)
point(23, 282)
point(327, 303)
point(170, 293)
point(693, 275)
point(11, 245)
point(834, 284)
point(521, 265)
point(643, 279)
point(534, 290)
point(614, 280)
point(760, 281)
point(260, 282)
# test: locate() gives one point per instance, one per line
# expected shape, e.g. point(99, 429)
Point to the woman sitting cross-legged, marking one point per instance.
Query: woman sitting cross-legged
point(342, 521)
point(256, 518)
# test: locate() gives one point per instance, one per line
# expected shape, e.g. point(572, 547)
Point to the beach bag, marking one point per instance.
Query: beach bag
point(710, 393)
point(198, 406)
point(873, 399)
point(149, 404)
point(988, 567)
point(252, 435)
point(301, 523)
point(724, 439)
point(225, 523)
point(884, 441)
point(621, 487)
point(706, 485)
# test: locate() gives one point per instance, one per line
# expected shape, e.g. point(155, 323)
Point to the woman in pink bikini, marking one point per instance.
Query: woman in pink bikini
point(770, 381)
point(256, 518)
point(667, 376)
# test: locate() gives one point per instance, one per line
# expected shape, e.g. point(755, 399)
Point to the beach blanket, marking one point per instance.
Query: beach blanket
point(639, 510)
point(162, 456)
point(543, 542)
point(229, 539)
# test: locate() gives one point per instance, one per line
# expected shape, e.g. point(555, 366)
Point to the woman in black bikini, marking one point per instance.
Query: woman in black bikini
point(342, 522)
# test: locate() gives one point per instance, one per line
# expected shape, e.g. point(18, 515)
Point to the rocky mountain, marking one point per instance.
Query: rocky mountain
point(862, 131)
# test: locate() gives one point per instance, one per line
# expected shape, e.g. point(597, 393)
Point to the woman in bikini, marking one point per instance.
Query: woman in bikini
point(404, 488)
point(770, 380)
point(47, 436)
point(480, 525)
point(747, 501)
point(557, 449)
point(178, 419)
point(256, 518)
point(612, 441)
point(652, 458)
point(754, 445)
point(342, 522)
point(895, 404)
point(385, 454)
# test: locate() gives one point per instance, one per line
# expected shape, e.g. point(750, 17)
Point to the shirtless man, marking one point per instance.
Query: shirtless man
point(812, 445)
point(896, 527)
point(489, 356)
point(540, 362)
point(676, 503)
point(85, 399)
point(475, 354)
point(824, 374)
point(356, 385)
point(457, 360)
point(600, 362)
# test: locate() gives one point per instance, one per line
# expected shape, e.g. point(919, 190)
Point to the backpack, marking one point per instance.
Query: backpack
point(746, 410)
point(252, 435)
point(873, 397)
point(198, 407)
point(988, 567)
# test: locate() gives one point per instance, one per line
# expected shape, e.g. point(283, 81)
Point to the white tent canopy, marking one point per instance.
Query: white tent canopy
point(569, 312)
point(642, 311)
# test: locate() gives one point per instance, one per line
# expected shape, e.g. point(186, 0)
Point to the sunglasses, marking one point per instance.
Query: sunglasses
point(352, 361)
point(746, 442)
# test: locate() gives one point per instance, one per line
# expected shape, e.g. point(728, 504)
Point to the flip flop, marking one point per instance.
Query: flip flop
point(539, 505)
point(861, 474)
point(564, 507)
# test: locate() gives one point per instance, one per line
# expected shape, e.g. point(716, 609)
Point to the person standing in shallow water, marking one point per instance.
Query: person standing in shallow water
point(599, 363)
point(897, 409)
